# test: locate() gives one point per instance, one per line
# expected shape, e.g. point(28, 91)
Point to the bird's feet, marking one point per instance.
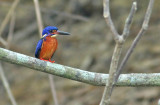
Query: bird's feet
point(51, 61)
point(43, 59)
point(47, 60)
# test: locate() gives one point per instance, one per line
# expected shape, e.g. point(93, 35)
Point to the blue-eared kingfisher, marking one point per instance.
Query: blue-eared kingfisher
point(47, 45)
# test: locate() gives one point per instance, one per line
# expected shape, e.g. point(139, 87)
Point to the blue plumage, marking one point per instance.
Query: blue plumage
point(48, 30)
point(38, 48)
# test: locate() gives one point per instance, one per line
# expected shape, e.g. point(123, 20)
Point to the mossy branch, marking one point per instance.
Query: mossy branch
point(92, 78)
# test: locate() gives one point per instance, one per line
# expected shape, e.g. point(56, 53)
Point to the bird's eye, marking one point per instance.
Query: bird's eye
point(54, 30)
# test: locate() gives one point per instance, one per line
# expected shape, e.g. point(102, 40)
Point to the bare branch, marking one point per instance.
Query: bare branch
point(52, 84)
point(148, 15)
point(129, 20)
point(3, 41)
point(11, 29)
point(92, 78)
point(7, 18)
point(106, 14)
point(138, 37)
point(113, 67)
point(6, 85)
point(117, 53)
point(124, 35)
point(120, 41)
point(7, 44)
point(39, 18)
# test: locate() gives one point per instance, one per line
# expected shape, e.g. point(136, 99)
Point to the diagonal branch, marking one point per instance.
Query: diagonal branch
point(7, 18)
point(6, 85)
point(3, 41)
point(92, 78)
point(7, 45)
point(11, 30)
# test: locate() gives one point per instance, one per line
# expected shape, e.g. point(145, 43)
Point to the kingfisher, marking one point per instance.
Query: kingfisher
point(47, 45)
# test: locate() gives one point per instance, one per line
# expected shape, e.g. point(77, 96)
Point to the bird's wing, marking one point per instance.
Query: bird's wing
point(38, 48)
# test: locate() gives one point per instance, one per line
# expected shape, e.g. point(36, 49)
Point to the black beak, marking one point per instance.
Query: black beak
point(62, 33)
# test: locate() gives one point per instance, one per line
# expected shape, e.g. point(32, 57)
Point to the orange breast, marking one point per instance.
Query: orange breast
point(48, 48)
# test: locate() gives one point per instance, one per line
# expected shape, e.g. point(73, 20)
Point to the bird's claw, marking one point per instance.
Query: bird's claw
point(47, 60)
point(43, 59)
point(51, 61)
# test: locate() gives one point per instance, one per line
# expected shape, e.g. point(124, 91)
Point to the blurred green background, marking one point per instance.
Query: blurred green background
point(89, 47)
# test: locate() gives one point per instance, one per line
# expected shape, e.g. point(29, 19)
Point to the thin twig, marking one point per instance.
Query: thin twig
point(7, 18)
point(4, 79)
point(7, 44)
point(136, 40)
point(40, 26)
point(129, 20)
point(11, 29)
point(3, 41)
point(39, 17)
point(113, 67)
point(106, 14)
point(6, 85)
point(116, 55)
point(99, 79)
point(52, 84)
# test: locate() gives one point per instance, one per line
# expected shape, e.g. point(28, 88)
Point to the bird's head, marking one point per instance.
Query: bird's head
point(52, 31)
